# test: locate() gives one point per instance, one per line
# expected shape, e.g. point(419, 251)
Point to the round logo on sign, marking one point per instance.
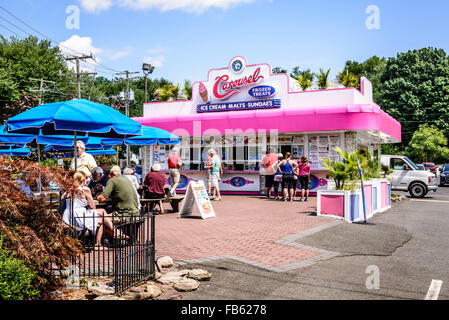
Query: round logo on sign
point(237, 65)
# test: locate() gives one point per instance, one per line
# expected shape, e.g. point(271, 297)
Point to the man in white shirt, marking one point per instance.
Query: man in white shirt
point(84, 160)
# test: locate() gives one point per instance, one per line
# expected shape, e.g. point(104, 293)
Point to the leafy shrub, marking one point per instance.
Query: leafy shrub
point(33, 231)
point(15, 278)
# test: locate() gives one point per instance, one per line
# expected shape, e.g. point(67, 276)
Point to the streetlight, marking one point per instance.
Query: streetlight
point(147, 69)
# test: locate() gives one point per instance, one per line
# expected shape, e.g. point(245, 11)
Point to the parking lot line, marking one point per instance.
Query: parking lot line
point(422, 200)
point(434, 290)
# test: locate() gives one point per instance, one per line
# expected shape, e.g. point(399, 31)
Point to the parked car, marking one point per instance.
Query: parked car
point(421, 167)
point(444, 175)
point(430, 166)
point(407, 176)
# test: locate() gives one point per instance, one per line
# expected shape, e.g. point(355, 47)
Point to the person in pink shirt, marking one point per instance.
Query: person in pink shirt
point(174, 164)
point(304, 178)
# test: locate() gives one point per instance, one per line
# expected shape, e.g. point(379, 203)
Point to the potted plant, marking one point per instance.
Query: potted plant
point(345, 200)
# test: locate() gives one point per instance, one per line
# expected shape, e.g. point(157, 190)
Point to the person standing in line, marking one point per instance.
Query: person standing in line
point(215, 167)
point(304, 178)
point(295, 175)
point(85, 161)
point(266, 163)
point(207, 166)
point(174, 164)
point(277, 180)
point(286, 168)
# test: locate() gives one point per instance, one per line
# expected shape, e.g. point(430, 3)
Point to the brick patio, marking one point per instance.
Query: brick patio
point(250, 229)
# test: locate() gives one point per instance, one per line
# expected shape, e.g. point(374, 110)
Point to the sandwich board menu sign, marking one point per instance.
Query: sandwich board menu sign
point(196, 193)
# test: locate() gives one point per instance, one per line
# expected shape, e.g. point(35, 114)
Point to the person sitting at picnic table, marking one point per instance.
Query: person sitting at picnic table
point(121, 191)
point(128, 173)
point(85, 214)
point(98, 182)
point(84, 160)
point(154, 186)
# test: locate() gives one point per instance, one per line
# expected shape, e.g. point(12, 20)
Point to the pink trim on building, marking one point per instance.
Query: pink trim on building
point(333, 118)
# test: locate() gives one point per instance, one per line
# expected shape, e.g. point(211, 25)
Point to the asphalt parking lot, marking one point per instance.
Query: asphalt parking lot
point(406, 247)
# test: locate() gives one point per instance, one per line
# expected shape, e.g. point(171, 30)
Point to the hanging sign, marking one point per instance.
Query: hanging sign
point(196, 194)
point(235, 106)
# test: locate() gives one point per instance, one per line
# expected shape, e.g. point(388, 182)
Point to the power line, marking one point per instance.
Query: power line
point(78, 73)
point(10, 30)
point(45, 36)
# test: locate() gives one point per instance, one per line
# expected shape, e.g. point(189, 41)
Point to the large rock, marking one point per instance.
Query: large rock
point(186, 285)
point(165, 262)
point(153, 290)
point(170, 295)
point(109, 297)
point(100, 290)
point(136, 296)
point(199, 274)
point(172, 277)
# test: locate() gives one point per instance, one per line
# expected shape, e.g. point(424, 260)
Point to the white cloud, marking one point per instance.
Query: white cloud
point(95, 5)
point(75, 46)
point(156, 50)
point(157, 61)
point(186, 5)
point(115, 55)
point(162, 5)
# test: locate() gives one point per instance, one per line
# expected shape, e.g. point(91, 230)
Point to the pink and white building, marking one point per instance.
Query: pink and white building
point(241, 110)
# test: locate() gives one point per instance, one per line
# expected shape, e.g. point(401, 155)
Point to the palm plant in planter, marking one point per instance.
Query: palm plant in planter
point(343, 171)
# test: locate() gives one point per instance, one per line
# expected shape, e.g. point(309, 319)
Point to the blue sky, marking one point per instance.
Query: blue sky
point(187, 38)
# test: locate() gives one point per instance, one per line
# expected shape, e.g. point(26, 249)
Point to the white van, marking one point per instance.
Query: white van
point(406, 176)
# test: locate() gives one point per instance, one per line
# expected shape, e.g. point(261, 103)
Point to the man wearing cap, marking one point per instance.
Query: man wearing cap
point(154, 186)
point(174, 164)
point(98, 182)
point(121, 191)
point(84, 160)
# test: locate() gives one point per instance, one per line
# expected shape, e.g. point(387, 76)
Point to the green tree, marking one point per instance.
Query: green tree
point(304, 81)
point(322, 78)
point(371, 68)
point(187, 90)
point(428, 144)
point(348, 79)
point(22, 59)
point(415, 90)
point(278, 70)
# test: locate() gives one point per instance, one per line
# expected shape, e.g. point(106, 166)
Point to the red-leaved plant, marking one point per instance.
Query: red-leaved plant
point(32, 229)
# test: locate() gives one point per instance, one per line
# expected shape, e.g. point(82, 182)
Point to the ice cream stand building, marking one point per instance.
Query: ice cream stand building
point(241, 110)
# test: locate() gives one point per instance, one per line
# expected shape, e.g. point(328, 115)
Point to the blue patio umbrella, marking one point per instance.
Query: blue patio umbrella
point(22, 139)
point(101, 152)
point(72, 118)
point(94, 152)
point(90, 143)
point(11, 151)
point(150, 136)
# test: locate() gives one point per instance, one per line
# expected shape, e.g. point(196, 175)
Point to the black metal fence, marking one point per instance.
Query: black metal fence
point(119, 247)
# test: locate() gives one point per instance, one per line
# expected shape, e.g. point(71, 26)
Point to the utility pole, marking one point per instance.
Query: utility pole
point(78, 74)
point(127, 73)
point(41, 89)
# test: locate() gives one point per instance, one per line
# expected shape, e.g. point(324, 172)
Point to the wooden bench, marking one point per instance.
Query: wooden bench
point(174, 201)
